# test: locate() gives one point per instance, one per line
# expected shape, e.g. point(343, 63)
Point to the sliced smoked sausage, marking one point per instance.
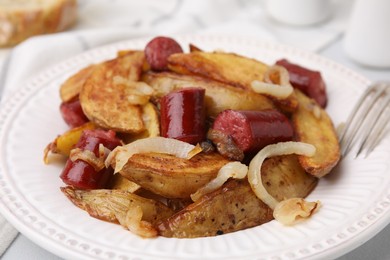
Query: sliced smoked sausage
point(308, 81)
point(79, 173)
point(253, 130)
point(72, 113)
point(158, 50)
point(183, 115)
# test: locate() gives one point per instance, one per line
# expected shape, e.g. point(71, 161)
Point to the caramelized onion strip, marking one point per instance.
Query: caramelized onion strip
point(290, 211)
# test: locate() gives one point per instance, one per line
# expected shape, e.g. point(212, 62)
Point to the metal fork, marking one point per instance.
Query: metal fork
point(367, 123)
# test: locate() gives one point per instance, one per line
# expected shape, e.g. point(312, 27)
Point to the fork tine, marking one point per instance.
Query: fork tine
point(354, 123)
point(380, 121)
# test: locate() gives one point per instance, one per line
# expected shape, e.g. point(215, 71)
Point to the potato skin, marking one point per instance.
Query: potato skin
point(318, 131)
point(231, 208)
point(170, 176)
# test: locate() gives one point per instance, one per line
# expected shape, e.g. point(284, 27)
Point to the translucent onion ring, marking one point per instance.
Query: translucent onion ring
point(280, 89)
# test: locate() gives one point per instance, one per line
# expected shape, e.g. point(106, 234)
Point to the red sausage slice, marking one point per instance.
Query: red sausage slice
point(72, 113)
point(81, 174)
point(158, 50)
point(253, 130)
point(183, 115)
point(308, 81)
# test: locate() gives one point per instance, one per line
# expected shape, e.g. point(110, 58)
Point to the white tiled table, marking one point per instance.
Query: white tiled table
point(377, 248)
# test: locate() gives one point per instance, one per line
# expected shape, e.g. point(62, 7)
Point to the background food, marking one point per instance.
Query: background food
point(21, 19)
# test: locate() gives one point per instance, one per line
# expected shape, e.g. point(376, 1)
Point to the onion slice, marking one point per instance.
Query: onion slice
point(133, 222)
point(282, 148)
point(276, 83)
point(290, 211)
point(235, 170)
point(271, 89)
point(121, 154)
point(87, 156)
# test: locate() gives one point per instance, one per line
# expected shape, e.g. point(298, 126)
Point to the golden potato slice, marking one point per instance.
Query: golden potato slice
point(312, 125)
point(113, 205)
point(235, 207)
point(170, 176)
point(72, 86)
point(106, 102)
point(229, 68)
point(219, 96)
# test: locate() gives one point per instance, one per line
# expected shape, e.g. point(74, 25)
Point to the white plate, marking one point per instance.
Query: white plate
point(355, 197)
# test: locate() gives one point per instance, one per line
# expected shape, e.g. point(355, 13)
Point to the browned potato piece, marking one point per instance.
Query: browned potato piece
point(105, 102)
point(231, 208)
point(72, 86)
point(312, 125)
point(284, 177)
point(219, 96)
point(229, 68)
point(113, 205)
point(235, 207)
point(170, 176)
point(145, 66)
point(150, 117)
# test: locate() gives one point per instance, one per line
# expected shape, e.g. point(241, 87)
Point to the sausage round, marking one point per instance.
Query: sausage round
point(253, 130)
point(81, 174)
point(183, 115)
point(158, 50)
point(308, 81)
point(72, 113)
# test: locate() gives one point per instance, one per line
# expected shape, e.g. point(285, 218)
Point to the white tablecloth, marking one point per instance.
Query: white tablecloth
point(105, 21)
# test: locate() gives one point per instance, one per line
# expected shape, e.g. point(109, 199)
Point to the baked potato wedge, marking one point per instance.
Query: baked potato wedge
point(106, 102)
point(312, 125)
point(113, 205)
point(231, 208)
point(170, 176)
point(235, 207)
point(229, 68)
point(72, 86)
point(219, 96)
